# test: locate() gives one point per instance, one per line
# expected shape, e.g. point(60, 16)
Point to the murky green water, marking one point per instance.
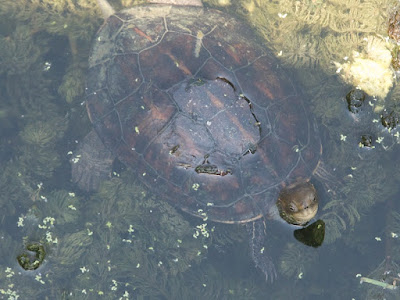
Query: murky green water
point(123, 242)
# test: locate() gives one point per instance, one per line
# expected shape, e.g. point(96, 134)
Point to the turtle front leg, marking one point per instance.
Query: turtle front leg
point(261, 259)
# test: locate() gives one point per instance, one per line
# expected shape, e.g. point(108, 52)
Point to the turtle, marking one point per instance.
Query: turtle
point(203, 113)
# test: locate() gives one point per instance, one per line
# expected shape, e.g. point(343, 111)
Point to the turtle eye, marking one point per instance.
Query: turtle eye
point(292, 207)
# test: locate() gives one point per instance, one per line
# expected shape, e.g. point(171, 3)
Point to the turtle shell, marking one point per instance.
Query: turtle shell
point(203, 113)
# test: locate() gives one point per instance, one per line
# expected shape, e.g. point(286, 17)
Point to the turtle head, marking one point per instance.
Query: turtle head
point(298, 204)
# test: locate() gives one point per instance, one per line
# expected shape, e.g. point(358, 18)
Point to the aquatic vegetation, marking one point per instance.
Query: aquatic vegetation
point(363, 179)
point(315, 33)
point(63, 17)
point(21, 71)
point(128, 234)
point(62, 205)
point(132, 216)
point(19, 52)
point(310, 34)
point(16, 191)
point(208, 282)
point(295, 261)
point(394, 224)
point(336, 208)
point(74, 81)
point(39, 134)
point(40, 163)
point(363, 189)
point(70, 248)
point(29, 99)
point(38, 155)
point(362, 176)
point(9, 249)
point(382, 281)
point(304, 52)
point(76, 20)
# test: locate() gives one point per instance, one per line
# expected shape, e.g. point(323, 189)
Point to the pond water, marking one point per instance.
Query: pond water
point(123, 241)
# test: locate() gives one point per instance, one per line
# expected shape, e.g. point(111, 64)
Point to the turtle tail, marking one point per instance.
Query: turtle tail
point(261, 259)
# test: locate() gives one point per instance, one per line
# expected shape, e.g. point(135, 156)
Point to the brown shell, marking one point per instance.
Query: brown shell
point(202, 112)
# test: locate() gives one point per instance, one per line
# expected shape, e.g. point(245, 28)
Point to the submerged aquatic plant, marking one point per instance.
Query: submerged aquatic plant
point(29, 99)
point(73, 83)
point(136, 218)
point(40, 134)
point(75, 20)
point(63, 206)
point(70, 248)
point(295, 261)
point(367, 184)
point(19, 52)
point(382, 283)
point(38, 154)
point(63, 17)
point(329, 23)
